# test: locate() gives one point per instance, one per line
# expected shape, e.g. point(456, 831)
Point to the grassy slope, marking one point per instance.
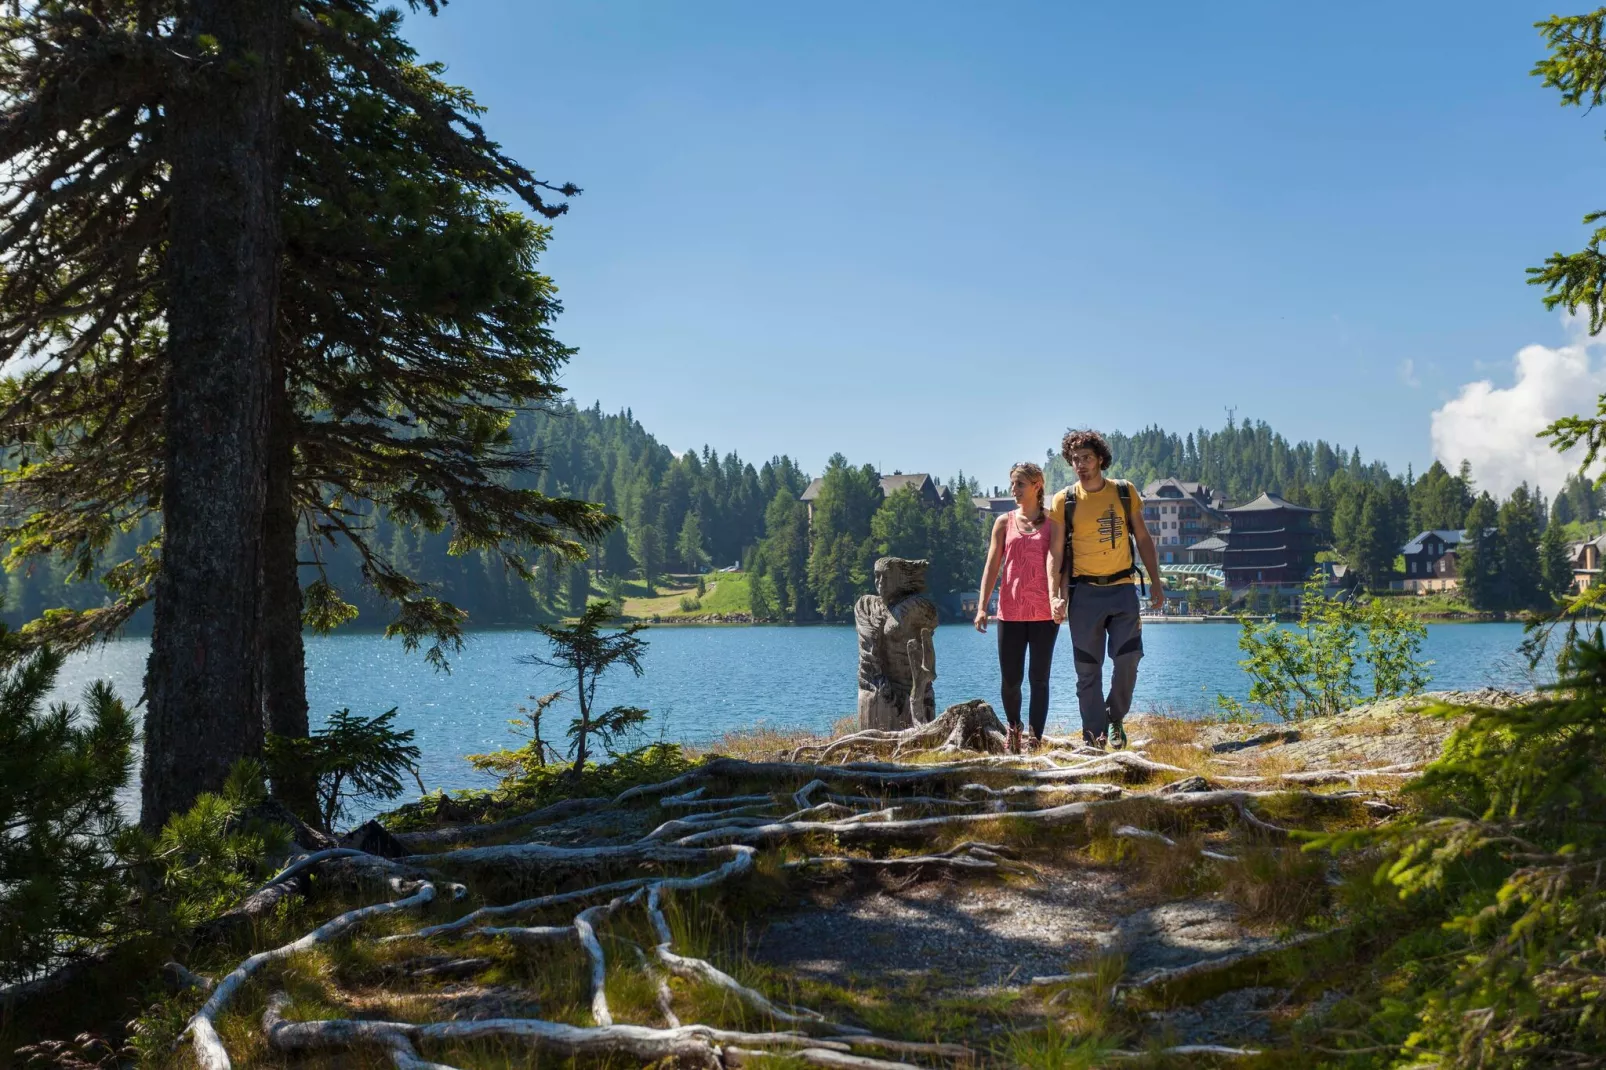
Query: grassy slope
point(726, 592)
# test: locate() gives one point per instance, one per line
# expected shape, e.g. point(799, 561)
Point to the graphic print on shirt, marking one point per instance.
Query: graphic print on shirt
point(1100, 539)
point(1110, 527)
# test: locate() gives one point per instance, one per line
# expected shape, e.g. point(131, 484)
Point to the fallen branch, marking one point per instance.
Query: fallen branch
point(209, 1050)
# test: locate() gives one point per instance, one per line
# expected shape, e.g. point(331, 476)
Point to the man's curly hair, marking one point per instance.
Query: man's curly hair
point(1086, 439)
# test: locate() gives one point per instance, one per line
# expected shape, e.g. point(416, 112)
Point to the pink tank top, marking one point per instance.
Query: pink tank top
point(1024, 593)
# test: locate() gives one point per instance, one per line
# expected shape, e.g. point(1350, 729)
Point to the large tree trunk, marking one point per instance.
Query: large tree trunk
point(203, 681)
point(284, 666)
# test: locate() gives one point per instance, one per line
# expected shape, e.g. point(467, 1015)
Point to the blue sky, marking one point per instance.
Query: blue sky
point(933, 235)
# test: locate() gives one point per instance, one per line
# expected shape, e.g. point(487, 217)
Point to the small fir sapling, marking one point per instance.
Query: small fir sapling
point(585, 651)
point(352, 758)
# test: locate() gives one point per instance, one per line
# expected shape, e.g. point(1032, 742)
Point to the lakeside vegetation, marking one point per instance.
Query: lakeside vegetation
point(1409, 884)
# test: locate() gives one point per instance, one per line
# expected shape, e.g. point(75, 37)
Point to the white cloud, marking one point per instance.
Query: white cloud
point(1494, 427)
point(1408, 373)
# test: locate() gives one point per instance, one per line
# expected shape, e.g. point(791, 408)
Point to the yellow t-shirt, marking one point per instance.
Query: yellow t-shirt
point(1099, 543)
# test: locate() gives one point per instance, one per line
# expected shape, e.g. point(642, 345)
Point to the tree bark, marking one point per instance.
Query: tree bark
point(203, 680)
point(284, 675)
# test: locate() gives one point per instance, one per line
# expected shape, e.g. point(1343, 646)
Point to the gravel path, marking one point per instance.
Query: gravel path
point(982, 935)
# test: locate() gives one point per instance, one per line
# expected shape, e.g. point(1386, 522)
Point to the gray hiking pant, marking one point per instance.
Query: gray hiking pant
point(1100, 617)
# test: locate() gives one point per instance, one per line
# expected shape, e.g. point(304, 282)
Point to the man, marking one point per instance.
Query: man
point(1094, 569)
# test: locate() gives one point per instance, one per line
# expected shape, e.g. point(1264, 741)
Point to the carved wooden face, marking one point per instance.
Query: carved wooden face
point(896, 578)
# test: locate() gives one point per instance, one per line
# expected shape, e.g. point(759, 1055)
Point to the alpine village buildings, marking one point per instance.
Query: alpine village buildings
point(1267, 542)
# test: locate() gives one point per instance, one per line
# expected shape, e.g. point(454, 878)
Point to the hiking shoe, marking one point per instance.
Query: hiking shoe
point(1034, 744)
point(1117, 736)
point(1013, 739)
point(1090, 740)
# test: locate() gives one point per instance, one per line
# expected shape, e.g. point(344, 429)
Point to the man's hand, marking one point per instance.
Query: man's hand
point(1057, 607)
point(981, 620)
point(1156, 597)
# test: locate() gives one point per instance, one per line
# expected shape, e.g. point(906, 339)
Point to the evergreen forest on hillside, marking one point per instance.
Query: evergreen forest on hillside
point(698, 510)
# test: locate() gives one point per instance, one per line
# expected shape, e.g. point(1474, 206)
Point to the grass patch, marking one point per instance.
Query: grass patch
point(723, 593)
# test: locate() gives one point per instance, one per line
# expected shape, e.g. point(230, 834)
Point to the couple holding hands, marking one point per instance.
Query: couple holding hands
point(1075, 557)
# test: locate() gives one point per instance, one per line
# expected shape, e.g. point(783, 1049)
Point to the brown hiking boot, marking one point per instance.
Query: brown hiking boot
point(1013, 739)
point(1034, 744)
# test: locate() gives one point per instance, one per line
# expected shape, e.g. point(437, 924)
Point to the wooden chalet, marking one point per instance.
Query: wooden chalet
point(1431, 561)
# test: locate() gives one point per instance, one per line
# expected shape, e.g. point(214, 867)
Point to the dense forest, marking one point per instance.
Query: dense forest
point(687, 512)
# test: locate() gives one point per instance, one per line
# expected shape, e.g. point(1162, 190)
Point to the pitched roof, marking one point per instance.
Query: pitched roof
point(1267, 502)
point(898, 480)
point(1447, 536)
point(889, 484)
point(1214, 542)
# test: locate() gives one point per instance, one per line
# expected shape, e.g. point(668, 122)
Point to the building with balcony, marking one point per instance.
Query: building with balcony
point(1180, 514)
point(1270, 541)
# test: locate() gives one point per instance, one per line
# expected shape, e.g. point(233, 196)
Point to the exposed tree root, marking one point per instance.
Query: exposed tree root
point(1217, 1050)
point(466, 834)
point(209, 1050)
point(967, 726)
point(861, 803)
point(523, 906)
point(1068, 815)
point(1161, 979)
point(966, 856)
point(1127, 832)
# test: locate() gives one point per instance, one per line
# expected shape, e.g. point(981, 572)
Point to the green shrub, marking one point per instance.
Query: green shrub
point(60, 771)
point(1503, 860)
point(526, 785)
point(1311, 670)
point(205, 859)
point(352, 758)
point(689, 604)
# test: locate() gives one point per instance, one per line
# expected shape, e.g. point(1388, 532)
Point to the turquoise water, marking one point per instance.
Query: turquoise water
point(702, 682)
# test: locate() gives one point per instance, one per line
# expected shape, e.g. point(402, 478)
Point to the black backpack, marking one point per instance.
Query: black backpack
point(1123, 490)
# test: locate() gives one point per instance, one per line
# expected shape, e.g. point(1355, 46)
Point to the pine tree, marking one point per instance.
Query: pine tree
point(1480, 557)
point(689, 544)
point(408, 344)
point(1556, 569)
point(647, 546)
point(1521, 575)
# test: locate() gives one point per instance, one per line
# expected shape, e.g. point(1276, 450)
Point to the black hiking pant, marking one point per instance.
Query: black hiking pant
point(1105, 619)
point(1015, 638)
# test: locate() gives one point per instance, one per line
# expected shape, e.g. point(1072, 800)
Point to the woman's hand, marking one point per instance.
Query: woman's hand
point(981, 620)
point(1057, 606)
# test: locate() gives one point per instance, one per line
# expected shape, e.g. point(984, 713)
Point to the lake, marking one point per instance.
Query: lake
point(702, 682)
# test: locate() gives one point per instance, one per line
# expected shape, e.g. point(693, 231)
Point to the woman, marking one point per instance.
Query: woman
point(1019, 549)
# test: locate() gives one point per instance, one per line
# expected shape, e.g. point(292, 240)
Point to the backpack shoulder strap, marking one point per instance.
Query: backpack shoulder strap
point(1123, 490)
point(1070, 508)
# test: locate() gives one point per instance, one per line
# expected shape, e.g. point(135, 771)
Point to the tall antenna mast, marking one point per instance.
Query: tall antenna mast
point(1231, 411)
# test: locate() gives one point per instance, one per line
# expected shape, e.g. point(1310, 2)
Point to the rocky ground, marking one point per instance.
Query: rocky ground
point(880, 900)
